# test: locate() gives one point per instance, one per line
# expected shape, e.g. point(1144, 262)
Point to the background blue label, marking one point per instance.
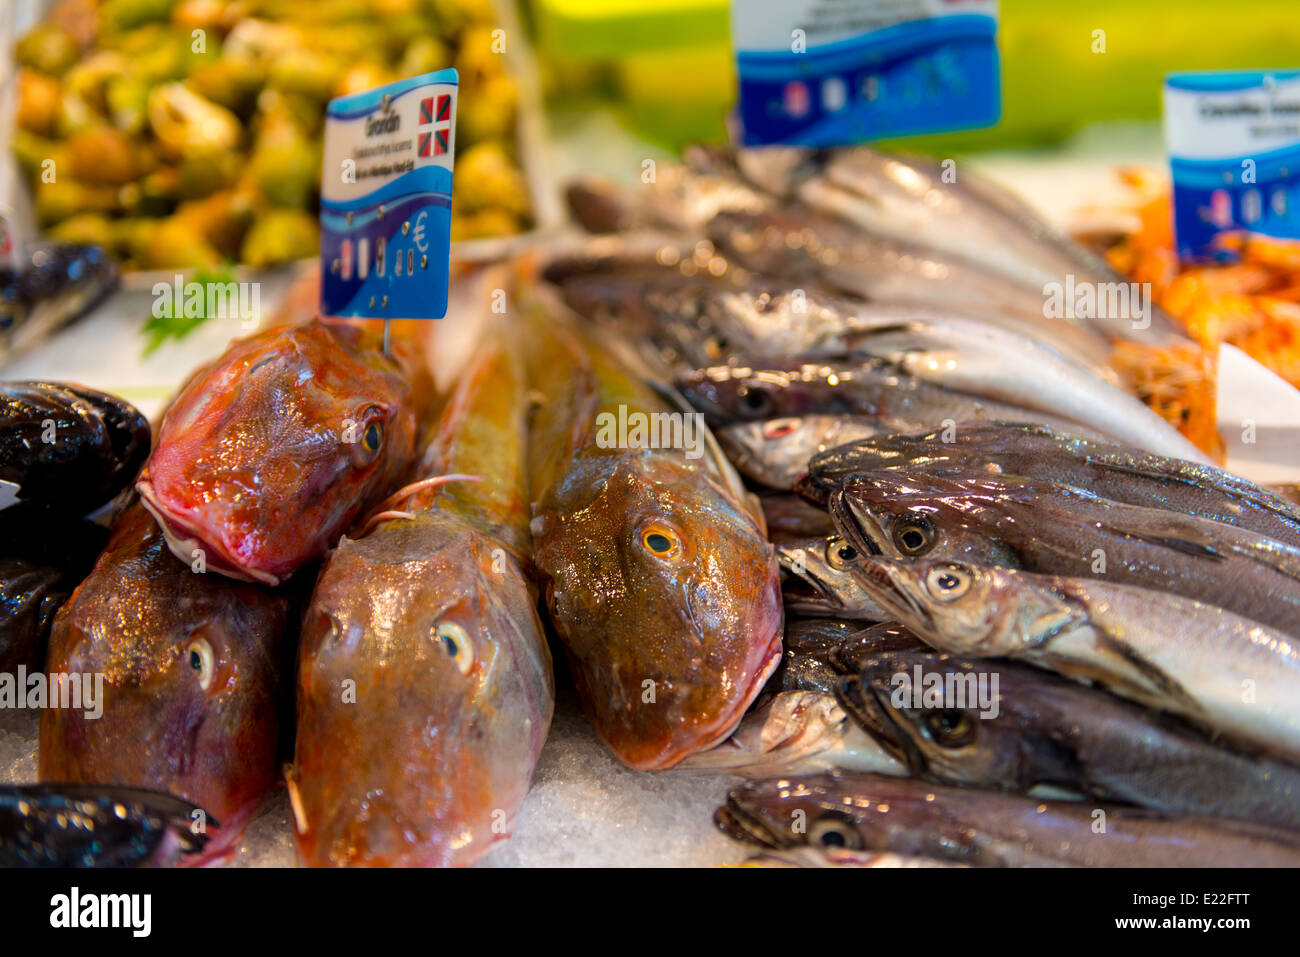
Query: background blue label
point(922, 76)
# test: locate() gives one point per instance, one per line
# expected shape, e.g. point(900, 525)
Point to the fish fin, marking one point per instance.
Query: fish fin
point(300, 823)
point(1188, 541)
point(386, 508)
point(1155, 676)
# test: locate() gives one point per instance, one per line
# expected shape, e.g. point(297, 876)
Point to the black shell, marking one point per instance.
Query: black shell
point(98, 444)
point(44, 555)
point(90, 825)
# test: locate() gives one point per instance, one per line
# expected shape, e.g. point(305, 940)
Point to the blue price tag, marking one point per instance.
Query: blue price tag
point(386, 199)
point(1234, 154)
point(825, 74)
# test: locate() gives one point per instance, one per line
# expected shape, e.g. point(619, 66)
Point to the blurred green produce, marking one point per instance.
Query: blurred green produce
point(187, 133)
point(668, 63)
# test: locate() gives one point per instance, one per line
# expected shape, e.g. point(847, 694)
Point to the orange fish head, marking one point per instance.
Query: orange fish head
point(667, 597)
point(187, 703)
point(269, 455)
point(424, 694)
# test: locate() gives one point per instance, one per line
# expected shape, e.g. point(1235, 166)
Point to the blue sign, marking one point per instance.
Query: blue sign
point(386, 200)
point(816, 74)
point(1234, 154)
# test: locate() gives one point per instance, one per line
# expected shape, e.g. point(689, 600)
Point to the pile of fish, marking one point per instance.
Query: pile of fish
point(1070, 601)
point(794, 473)
point(327, 564)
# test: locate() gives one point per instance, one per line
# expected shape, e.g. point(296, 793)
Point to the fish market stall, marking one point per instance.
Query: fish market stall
point(763, 493)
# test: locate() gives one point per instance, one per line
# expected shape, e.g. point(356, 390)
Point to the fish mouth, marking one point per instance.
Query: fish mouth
point(879, 580)
point(805, 585)
point(733, 718)
point(737, 823)
point(856, 523)
point(183, 539)
point(859, 697)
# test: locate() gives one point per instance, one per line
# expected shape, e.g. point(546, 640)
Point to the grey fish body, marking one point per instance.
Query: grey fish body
point(756, 389)
point(1055, 529)
point(989, 829)
point(1116, 472)
point(974, 356)
point(807, 246)
point(910, 198)
point(1227, 674)
point(1051, 731)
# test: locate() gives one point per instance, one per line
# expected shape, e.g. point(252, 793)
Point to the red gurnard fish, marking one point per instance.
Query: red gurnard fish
point(269, 454)
point(652, 557)
point(425, 686)
point(195, 683)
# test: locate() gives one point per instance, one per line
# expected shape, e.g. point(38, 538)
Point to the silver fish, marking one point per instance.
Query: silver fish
point(808, 247)
point(818, 579)
point(841, 857)
point(868, 812)
point(776, 452)
point(1116, 472)
point(1227, 674)
point(1048, 731)
point(757, 388)
point(1055, 529)
point(795, 732)
point(911, 198)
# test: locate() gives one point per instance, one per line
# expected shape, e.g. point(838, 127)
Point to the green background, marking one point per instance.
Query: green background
point(666, 64)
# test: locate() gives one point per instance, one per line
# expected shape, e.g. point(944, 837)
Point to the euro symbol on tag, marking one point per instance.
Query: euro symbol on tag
point(421, 243)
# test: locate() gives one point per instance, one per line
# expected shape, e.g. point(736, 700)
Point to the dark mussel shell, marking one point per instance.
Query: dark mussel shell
point(44, 555)
point(93, 825)
point(99, 444)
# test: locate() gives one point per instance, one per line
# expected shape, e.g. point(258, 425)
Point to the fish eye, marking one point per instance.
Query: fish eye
point(661, 542)
point(914, 535)
point(950, 728)
point(834, 830)
point(456, 643)
point(779, 428)
point(373, 437)
point(756, 401)
point(948, 583)
point(839, 553)
point(201, 661)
